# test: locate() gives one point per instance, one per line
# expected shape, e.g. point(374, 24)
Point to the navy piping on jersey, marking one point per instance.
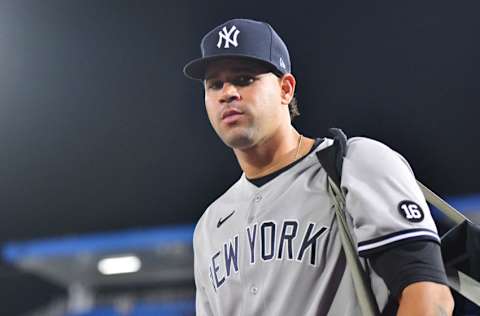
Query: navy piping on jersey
point(369, 247)
point(265, 179)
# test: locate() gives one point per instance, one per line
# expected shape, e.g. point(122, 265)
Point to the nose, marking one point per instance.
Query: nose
point(229, 93)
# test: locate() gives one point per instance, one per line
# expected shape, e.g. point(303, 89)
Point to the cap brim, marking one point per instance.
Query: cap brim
point(196, 68)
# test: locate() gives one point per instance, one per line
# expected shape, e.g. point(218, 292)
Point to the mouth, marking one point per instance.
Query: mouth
point(231, 116)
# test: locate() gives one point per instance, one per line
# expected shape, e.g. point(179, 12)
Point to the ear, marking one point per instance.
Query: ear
point(287, 85)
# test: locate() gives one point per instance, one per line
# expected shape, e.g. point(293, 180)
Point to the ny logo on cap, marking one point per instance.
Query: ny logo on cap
point(226, 35)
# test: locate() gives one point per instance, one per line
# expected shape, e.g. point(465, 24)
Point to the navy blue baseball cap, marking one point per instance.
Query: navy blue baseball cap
point(241, 38)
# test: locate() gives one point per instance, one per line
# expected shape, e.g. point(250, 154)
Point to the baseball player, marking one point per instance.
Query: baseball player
point(270, 244)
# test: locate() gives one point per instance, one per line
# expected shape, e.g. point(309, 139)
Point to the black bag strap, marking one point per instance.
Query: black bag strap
point(331, 158)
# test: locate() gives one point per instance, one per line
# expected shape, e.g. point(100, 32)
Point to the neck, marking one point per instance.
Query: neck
point(272, 154)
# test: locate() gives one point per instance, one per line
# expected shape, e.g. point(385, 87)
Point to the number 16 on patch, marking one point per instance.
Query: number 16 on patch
point(411, 211)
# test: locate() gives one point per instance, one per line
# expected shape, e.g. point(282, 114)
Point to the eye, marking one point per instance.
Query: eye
point(215, 84)
point(243, 80)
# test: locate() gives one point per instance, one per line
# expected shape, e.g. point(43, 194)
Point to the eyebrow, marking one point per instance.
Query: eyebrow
point(235, 70)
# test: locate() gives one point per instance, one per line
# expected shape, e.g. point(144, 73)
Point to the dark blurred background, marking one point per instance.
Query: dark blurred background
point(100, 130)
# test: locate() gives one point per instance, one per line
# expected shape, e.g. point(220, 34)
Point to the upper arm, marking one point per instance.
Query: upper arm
point(391, 220)
point(385, 204)
point(409, 263)
point(202, 304)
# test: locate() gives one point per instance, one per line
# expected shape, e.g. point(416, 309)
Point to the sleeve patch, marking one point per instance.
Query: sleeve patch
point(411, 211)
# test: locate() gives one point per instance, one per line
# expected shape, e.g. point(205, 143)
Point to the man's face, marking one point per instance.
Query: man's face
point(243, 102)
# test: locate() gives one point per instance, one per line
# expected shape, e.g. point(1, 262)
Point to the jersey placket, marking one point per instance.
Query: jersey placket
point(252, 278)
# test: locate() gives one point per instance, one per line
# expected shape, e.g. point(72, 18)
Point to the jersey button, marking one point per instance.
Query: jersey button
point(258, 198)
point(254, 290)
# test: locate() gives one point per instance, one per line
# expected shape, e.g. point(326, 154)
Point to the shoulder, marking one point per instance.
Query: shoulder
point(363, 147)
point(359, 146)
point(372, 156)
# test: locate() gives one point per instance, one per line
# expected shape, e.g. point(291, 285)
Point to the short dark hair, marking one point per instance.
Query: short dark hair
point(293, 108)
point(293, 105)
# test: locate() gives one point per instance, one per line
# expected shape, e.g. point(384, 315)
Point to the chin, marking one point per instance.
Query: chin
point(242, 140)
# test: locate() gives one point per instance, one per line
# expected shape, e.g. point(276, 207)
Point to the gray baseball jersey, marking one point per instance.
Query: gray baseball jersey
point(275, 249)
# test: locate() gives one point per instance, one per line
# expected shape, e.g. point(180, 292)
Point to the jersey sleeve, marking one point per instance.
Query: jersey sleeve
point(386, 205)
point(202, 305)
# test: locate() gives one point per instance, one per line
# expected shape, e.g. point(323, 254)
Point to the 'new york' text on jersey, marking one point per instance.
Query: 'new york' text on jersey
point(280, 252)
